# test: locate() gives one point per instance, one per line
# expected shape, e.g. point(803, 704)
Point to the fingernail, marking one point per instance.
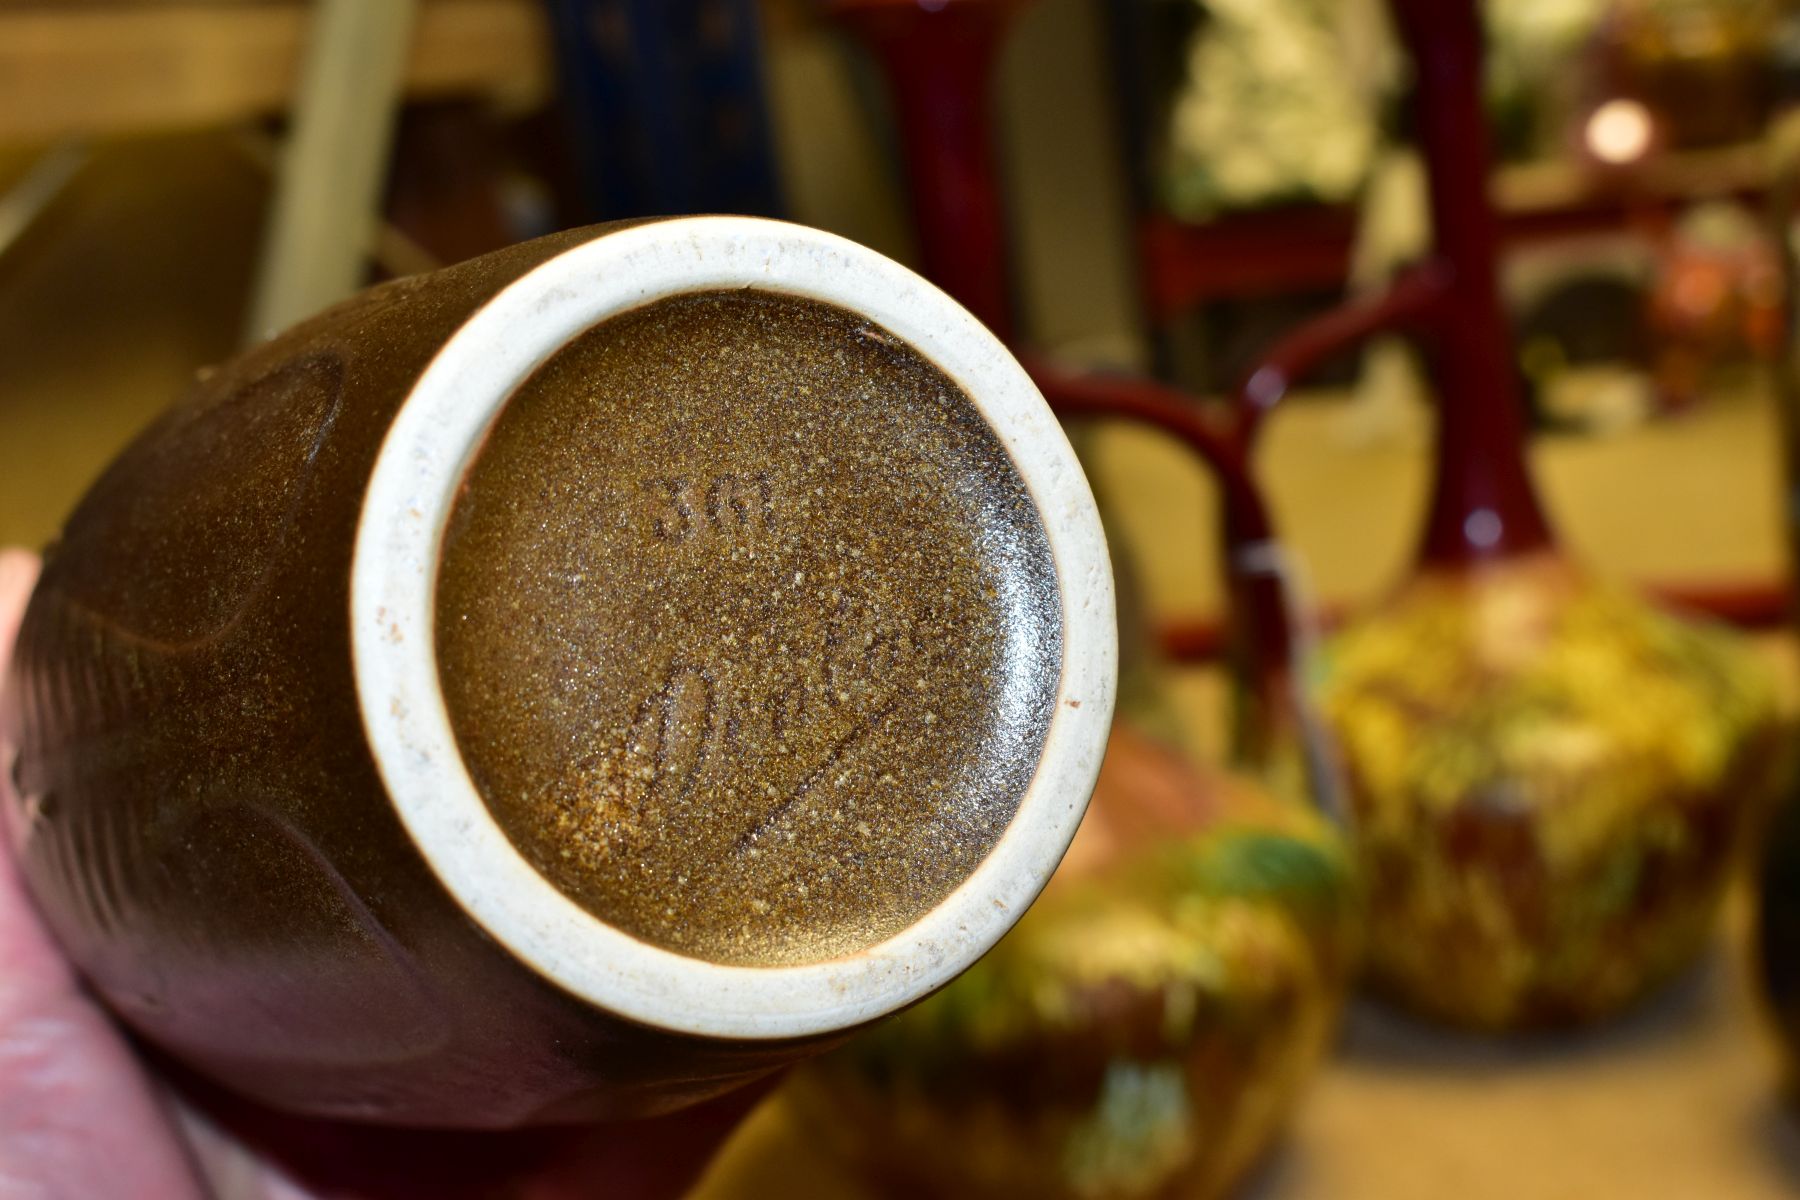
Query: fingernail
point(18, 571)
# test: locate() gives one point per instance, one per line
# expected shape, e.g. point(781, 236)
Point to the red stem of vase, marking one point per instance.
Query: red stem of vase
point(939, 58)
point(1484, 505)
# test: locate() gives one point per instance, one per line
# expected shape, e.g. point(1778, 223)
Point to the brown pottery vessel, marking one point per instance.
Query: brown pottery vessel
point(566, 685)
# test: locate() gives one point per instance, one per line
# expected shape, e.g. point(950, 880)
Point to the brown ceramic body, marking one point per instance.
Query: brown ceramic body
point(198, 809)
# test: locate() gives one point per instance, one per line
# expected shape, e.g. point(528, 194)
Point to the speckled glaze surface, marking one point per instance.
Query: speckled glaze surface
point(238, 801)
point(1551, 779)
point(825, 625)
point(1146, 1029)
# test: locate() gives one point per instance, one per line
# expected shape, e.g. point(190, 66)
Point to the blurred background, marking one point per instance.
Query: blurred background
point(1176, 182)
point(1180, 182)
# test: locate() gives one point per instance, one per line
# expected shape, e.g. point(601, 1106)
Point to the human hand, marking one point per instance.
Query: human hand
point(83, 1115)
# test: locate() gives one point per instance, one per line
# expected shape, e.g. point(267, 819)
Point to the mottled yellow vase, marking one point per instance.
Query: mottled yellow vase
point(1550, 779)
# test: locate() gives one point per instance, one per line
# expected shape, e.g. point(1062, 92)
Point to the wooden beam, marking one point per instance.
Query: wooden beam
point(99, 69)
point(335, 159)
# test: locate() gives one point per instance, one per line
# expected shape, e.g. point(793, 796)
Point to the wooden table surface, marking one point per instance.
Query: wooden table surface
point(101, 69)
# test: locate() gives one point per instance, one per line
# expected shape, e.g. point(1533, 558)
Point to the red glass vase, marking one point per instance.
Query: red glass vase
point(1548, 775)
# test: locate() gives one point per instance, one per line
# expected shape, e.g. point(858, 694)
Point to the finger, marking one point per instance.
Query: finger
point(27, 959)
point(94, 1126)
point(18, 572)
point(78, 1117)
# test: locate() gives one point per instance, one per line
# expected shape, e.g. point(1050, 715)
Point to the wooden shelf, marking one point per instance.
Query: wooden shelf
point(99, 69)
point(1308, 246)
